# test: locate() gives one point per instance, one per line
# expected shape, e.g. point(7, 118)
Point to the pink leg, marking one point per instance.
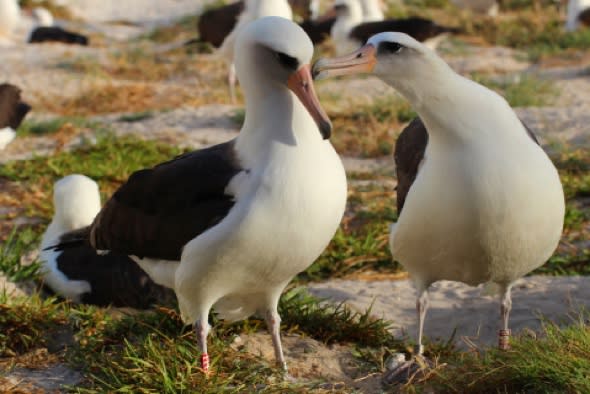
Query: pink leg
point(421, 308)
point(273, 322)
point(505, 307)
point(202, 327)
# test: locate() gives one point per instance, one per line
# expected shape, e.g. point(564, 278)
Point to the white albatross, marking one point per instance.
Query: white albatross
point(485, 204)
point(9, 20)
point(253, 9)
point(227, 227)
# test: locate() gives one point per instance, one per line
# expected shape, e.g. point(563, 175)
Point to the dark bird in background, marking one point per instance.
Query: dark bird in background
point(56, 34)
point(215, 24)
point(12, 109)
point(78, 272)
point(47, 31)
point(12, 112)
point(349, 31)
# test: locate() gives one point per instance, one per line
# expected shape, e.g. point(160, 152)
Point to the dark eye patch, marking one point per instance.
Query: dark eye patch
point(388, 47)
point(287, 61)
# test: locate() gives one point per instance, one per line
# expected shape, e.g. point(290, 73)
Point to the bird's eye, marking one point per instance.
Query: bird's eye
point(390, 47)
point(287, 61)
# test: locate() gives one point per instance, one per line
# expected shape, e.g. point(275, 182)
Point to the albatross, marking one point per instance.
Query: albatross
point(227, 227)
point(9, 19)
point(578, 13)
point(350, 30)
point(79, 273)
point(12, 112)
point(479, 200)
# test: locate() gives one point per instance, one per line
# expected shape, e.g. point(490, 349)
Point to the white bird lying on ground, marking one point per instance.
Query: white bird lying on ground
point(254, 9)
point(228, 227)
point(81, 274)
point(484, 203)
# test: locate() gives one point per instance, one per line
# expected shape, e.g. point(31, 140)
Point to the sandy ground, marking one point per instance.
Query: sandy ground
point(453, 306)
point(457, 307)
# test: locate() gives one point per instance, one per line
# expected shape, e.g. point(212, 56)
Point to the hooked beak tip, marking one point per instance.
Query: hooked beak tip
point(325, 129)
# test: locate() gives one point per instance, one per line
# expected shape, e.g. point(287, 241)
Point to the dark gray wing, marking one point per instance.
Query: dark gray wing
point(12, 109)
point(318, 30)
point(215, 24)
point(409, 153)
point(157, 211)
point(114, 279)
point(419, 28)
point(57, 34)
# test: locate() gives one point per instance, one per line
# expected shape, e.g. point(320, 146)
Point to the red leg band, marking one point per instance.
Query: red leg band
point(504, 339)
point(205, 362)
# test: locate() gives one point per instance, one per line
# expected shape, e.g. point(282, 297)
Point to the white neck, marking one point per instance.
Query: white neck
point(372, 11)
point(275, 115)
point(342, 27)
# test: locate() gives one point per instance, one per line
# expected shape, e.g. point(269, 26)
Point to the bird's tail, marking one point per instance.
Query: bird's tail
point(449, 30)
point(72, 239)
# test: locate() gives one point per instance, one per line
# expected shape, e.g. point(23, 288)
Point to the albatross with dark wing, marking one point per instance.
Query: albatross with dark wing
point(227, 227)
point(12, 112)
point(578, 13)
point(479, 199)
point(80, 273)
point(349, 31)
point(46, 30)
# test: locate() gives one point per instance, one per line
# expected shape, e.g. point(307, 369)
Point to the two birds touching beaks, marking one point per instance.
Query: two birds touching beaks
point(228, 227)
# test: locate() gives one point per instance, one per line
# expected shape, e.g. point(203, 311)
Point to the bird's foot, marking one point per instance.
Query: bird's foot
point(285, 376)
point(205, 363)
point(401, 371)
point(504, 339)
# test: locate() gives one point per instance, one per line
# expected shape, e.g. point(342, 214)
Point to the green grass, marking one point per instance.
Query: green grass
point(558, 362)
point(51, 126)
point(20, 241)
point(109, 161)
point(522, 90)
point(136, 117)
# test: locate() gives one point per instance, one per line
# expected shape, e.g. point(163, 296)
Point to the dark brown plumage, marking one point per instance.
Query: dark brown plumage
point(409, 153)
point(157, 211)
point(114, 279)
point(584, 17)
point(419, 28)
point(216, 23)
point(12, 109)
point(319, 29)
point(56, 34)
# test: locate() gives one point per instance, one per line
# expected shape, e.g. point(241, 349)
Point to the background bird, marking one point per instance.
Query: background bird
point(79, 273)
point(349, 31)
point(485, 203)
point(254, 9)
point(9, 19)
point(12, 112)
point(578, 13)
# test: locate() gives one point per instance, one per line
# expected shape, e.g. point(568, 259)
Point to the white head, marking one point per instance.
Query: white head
point(272, 54)
point(42, 17)
point(398, 59)
point(372, 10)
point(76, 200)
